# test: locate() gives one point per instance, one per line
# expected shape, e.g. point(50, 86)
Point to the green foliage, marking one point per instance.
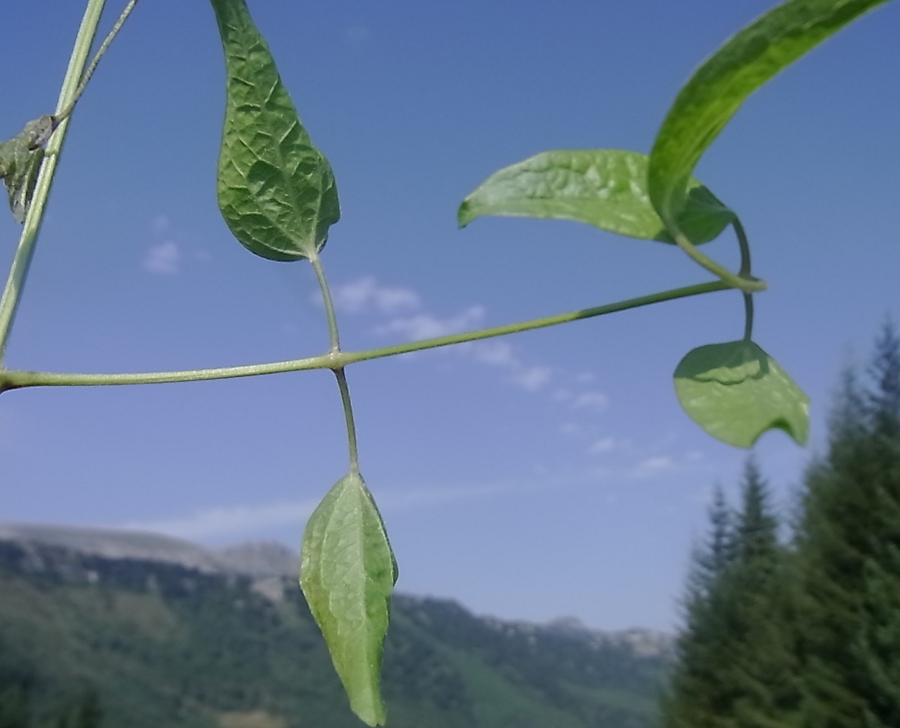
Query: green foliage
point(347, 574)
point(805, 637)
point(721, 85)
point(15, 697)
point(710, 562)
point(276, 190)
point(278, 196)
point(848, 554)
point(606, 188)
point(170, 646)
point(731, 669)
point(735, 391)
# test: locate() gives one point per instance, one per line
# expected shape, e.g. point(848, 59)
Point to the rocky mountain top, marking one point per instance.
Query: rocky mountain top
point(271, 565)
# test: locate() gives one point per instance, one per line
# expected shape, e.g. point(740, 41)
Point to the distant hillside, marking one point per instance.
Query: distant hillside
point(160, 632)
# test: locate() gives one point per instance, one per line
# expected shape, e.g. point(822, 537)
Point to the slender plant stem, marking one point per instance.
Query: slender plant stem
point(747, 285)
point(333, 335)
point(746, 268)
point(12, 379)
point(18, 272)
point(334, 350)
point(746, 272)
point(104, 46)
point(348, 418)
point(748, 316)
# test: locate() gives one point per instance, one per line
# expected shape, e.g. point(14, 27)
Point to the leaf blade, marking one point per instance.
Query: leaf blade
point(605, 188)
point(20, 163)
point(715, 92)
point(347, 574)
point(275, 189)
point(735, 391)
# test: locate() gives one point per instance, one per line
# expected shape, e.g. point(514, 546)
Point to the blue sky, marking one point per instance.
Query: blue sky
point(531, 477)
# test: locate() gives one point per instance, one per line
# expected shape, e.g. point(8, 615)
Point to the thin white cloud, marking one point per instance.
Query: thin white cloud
point(161, 224)
point(590, 400)
point(604, 445)
point(357, 35)
point(532, 379)
point(495, 353)
point(653, 466)
point(401, 312)
point(571, 429)
point(221, 521)
point(245, 521)
point(163, 259)
point(427, 326)
point(365, 294)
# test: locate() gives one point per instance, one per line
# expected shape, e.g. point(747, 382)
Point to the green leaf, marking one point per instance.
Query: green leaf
point(20, 162)
point(718, 88)
point(347, 574)
point(736, 392)
point(606, 188)
point(276, 191)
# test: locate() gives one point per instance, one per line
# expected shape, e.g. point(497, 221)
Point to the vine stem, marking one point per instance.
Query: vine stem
point(104, 46)
point(745, 284)
point(18, 272)
point(341, 377)
point(333, 335)
point(12, 379)
point(334, 350)
point(746, 271)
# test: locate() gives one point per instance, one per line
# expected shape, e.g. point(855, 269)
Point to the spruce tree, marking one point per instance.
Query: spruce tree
point(696, 695)
point(848, 557)
point(734, 668)
point(762, 670)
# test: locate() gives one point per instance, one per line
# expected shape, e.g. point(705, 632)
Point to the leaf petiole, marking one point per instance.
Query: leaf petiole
point(17, 379)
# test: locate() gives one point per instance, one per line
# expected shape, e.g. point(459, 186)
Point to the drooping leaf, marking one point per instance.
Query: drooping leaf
point(20, 162)
point(276, 190)
point(736, 392)
point(718, 88)
point(347, 573)
point(606, 188)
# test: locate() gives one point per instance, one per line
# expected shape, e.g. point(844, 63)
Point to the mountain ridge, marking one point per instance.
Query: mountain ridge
point(264, 560)
point(193, 639)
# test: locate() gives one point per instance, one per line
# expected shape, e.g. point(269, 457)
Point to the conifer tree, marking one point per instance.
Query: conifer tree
point(848, 557)
point(762, 668)
point(734, 668)
point(712, 559)
point(696, 693)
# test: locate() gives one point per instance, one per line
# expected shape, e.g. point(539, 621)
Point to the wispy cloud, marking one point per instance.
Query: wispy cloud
point(357, 35)
point(163, 259)
point(233, 520)
point(605, 445)
point(532, 379)
point(247, 520)
point(364, 294)
point(653, 466)
point(427, 326)
point(400, 311)
point(171, 249)
point(590, 400)
point(257, 520)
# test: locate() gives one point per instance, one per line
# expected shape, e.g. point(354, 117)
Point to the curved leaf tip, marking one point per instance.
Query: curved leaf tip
point(715, 92)
point(735, 391)
point(276, 190)
point(605, 188)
